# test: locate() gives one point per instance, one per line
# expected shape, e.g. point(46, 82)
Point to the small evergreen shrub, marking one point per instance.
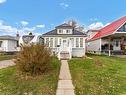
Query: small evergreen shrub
point(33, 59)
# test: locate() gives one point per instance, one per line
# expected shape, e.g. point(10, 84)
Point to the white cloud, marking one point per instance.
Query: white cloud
point(7, 28)
point(24, 23)
point(29, 29)
point(2, 1)
point(40, 26)
point(96, 25)
point(64, 5)
point(10, 30)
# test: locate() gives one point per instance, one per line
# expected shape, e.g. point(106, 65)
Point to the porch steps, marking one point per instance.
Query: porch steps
point(64, 55)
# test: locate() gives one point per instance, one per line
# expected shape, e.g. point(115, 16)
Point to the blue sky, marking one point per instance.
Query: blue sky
point(41, 16)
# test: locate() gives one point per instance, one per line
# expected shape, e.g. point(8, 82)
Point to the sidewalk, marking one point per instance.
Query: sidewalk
point(6, 63)
point(65, 86)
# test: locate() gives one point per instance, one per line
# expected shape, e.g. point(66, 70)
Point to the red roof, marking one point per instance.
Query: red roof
point(109, 29)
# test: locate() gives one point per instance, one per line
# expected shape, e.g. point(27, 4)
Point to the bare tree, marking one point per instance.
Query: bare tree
point(80, 28)
point(76, 25)
point(72, 23)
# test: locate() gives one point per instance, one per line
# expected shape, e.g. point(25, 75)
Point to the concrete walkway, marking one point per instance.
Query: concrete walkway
point(6, 63)
point(65, 86)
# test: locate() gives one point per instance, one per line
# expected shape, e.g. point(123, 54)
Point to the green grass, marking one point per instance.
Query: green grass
point(45, 84)
point(101, 75)
point(6, 57)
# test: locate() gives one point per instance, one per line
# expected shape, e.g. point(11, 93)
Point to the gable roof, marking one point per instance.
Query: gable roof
point(8, 37)
point(54, 32)
point(110, 29)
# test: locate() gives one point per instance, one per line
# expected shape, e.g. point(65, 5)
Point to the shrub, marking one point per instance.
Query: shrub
point(33, 59)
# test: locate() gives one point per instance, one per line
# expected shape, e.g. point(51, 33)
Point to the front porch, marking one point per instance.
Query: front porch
point(114, 44)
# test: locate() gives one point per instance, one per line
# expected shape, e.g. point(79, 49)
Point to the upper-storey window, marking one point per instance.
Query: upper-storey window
point(60, 31)
point(67, 31)
point(125, 27)
point(64, 31)
point(122, 29)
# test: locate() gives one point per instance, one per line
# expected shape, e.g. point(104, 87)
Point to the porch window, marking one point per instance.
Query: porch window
point(81, 42)
point(72, 41)
point(60, 42)
point(47, 42)
point(77, 42)
point(56, 42)
point(51, 42)
point(1, 43)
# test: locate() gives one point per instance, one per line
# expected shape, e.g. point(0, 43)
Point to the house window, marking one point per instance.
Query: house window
point(1, 43)
point(60, 31)
point(68, 31)
point(117, 43)
point(17, 44)
point(72, 41)
point(124, 27)
point(56, 42)
point(81, 42)
point(60, 42)
point(77, 42)
point(47, 42)
point(41, 41)
point(51, 42)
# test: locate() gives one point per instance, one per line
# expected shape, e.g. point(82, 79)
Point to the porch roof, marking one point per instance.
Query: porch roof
point(109, 29)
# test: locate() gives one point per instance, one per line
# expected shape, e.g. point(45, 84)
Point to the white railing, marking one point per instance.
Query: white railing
point(68, 49)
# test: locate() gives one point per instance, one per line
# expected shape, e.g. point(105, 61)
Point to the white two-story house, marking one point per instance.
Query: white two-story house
point(65, 41)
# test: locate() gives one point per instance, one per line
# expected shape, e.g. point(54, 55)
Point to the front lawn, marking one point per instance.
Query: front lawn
point(45, 84)
point(6, 57)
point(101, 75)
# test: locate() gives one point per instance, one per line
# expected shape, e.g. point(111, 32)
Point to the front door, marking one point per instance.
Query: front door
point(65, 44)
point(117, 45)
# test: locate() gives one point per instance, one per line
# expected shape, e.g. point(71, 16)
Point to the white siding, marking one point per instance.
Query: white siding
point(94, 45)
point(76, 51)
point(12, 45)
point(4, 45)
point(8, 46)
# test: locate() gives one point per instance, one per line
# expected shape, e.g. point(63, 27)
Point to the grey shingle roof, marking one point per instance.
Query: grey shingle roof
point(8, 37)
point(64, 26)
point(75, 32)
